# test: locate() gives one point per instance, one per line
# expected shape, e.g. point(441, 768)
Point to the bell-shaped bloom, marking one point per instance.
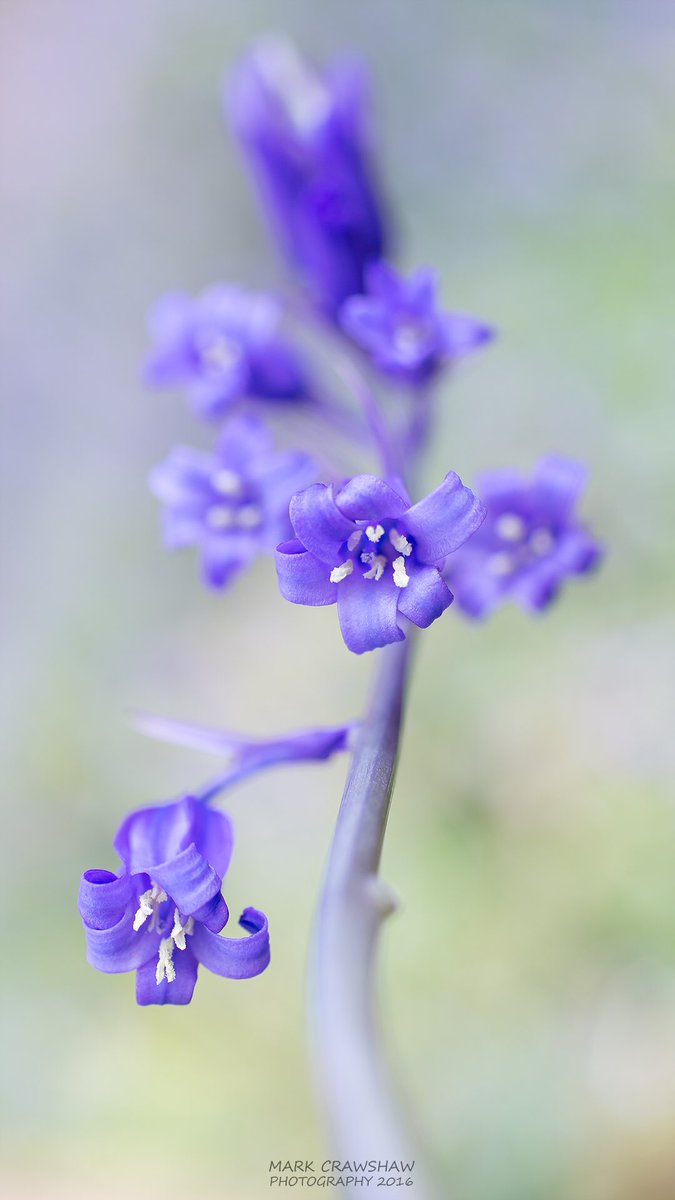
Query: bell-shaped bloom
point(399, 322)
point(163, 914)
point(232, 504)
point(529, 543)
point(223, 346)
point(245, 755)
point(366, 548)
point(304, 138)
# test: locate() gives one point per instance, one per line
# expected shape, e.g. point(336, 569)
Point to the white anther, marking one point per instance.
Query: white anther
point(408, 338)
point(541, 541)
point(400, 542)
point(510, 526)
point(148, 905)
point(354, 539)
point(180, 930)
point(377, 564)
point(341, 572)
point(374, 532)
point(248, 516)
point(401, 576)
point(219, 516)
point(227, 482)
point(165, 967)
point(500, 564)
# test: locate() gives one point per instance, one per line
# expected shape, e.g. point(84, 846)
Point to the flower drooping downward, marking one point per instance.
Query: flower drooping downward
point(368, 549)
point(401, 324)
point(162, 916)
point(530, 542)
point(232, 504)
point(224, 346)
point(303, 136)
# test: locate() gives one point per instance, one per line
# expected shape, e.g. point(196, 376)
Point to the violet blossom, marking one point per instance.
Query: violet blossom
point(368, 549)
point(232, 503)
point(303, 135)
point(224, 345)
point(401, 325)
point(530, 542)
point(163, 914)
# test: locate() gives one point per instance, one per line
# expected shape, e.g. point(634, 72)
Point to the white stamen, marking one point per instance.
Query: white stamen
point(227, 482)
point(401, 576)
point(400, 542)
point(500, 564)
point(374, 533)
point(341, 572)
point(510, 526)
point(165, 967)
point(249, 516)
point(354, 539)
point(148, 904)
point(541, 541)
point(219, 516)
point(180, 930)
point(377, 564)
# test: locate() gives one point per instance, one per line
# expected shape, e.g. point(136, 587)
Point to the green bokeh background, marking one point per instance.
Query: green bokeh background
point(528, 981)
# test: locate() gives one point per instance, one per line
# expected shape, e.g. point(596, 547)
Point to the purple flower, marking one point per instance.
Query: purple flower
point(232, 504)
point(399, 322)
point(304, 139)
point(163, 914)
point(225, 346)
point(369, 550)
point(529, 543)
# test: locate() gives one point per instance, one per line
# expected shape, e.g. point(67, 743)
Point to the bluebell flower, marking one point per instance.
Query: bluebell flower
point(224, 345)
point(163, 914)
point(401, 325)
point(232, 504)
point(303, 134)
point(530, 542)
point(368, 549)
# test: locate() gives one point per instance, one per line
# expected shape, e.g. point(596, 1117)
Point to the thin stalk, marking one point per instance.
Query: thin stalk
point(350, 1073)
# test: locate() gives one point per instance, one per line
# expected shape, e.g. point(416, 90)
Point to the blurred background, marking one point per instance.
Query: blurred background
point(528, 982)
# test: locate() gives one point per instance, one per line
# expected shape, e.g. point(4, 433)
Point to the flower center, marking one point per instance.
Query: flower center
point(218, 353)
point(375, 548)
point(230, 506)
point(149, 905)
point(523, 546)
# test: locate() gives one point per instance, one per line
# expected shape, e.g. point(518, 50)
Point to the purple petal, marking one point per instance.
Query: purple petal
point(478, 592)
point(367, 610)
point(366, 497)
point(225, 555)
point(104, 898)
point(194, 886)
point(303, 578)
point(502, 490)
point(557, 484)
point(364, 321)
point(300, 746)
point(120, 948)
point(183, 477)
point(157, 834)
point(444, 519)
point(426, 596)
point(242, 441)
point(462, 333)
point(235, 958)
point(319, 524)
point(179, 991)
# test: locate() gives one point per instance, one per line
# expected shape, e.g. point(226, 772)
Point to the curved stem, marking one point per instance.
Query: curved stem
point(349, 1069)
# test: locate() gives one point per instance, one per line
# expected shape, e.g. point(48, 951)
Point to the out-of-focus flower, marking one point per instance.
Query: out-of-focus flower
point(162, 916)
point(304, 139)
point(224, 345)
point(530, 542)
point(366, 548)
point(247, 755)
point(401, 325)
point(232, 504)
